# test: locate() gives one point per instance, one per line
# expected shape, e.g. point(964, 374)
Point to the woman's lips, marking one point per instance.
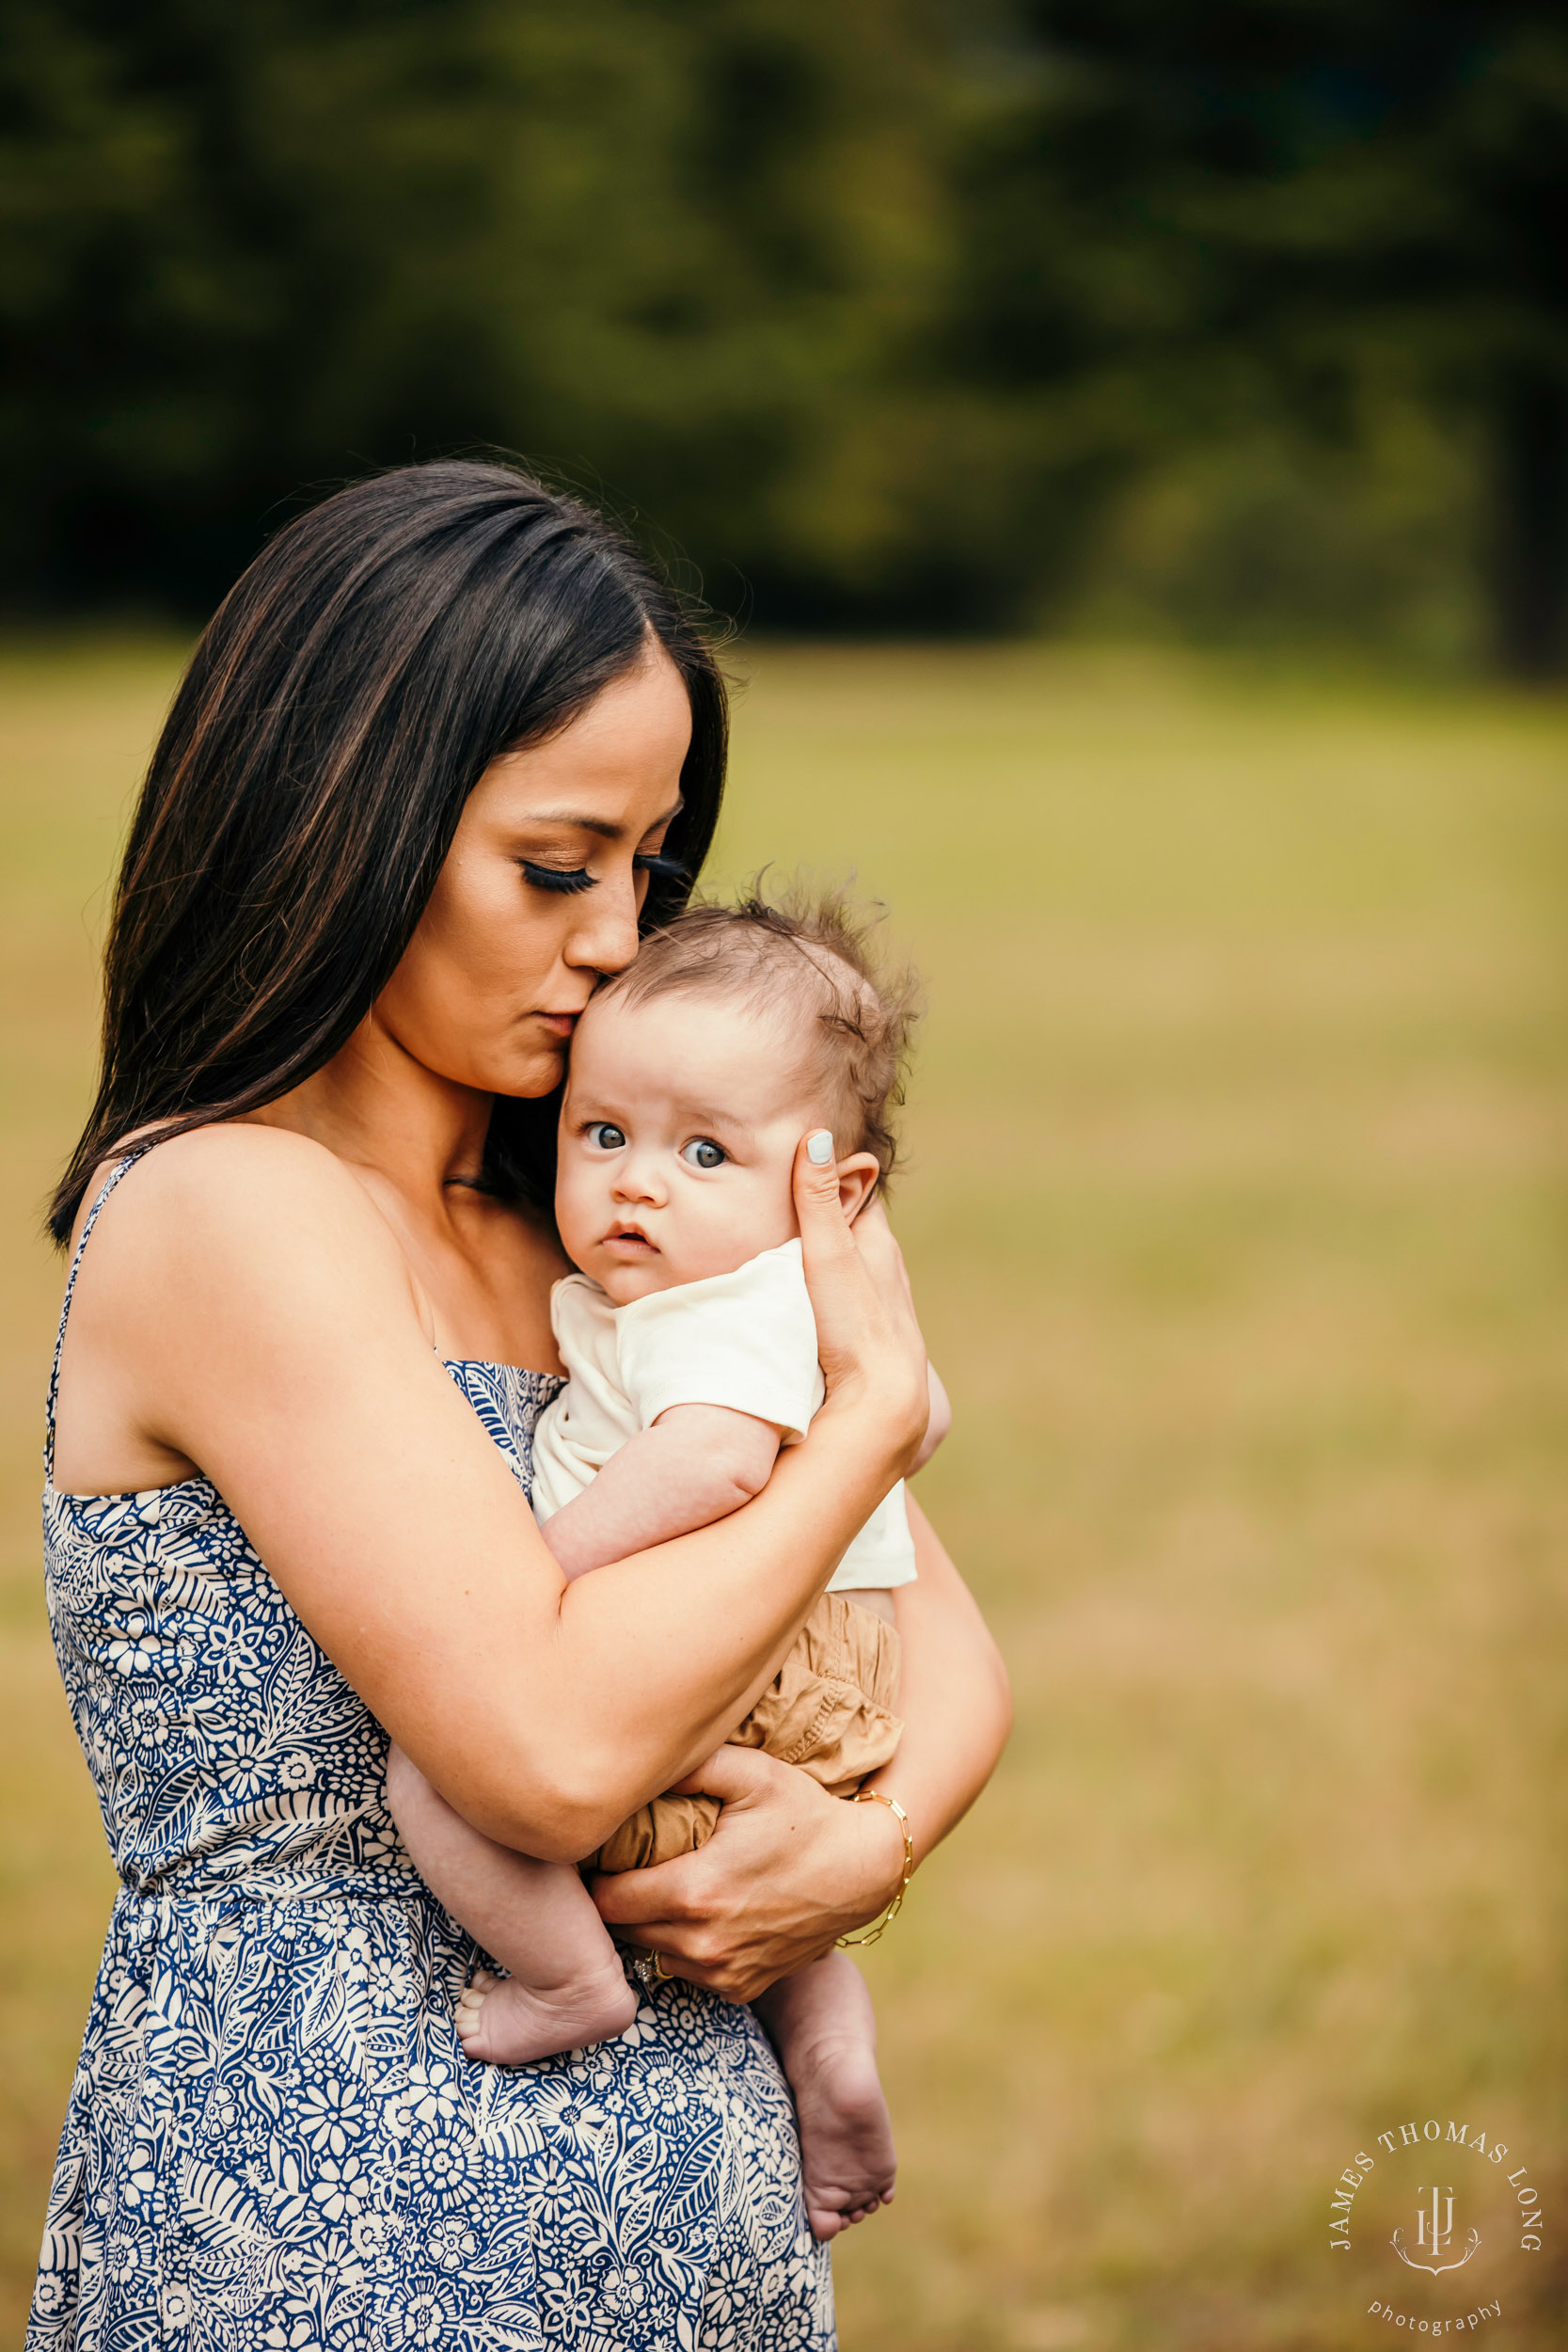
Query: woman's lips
point(558, 1024)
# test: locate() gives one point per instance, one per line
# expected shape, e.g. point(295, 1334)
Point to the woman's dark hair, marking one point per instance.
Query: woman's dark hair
point(343, 703)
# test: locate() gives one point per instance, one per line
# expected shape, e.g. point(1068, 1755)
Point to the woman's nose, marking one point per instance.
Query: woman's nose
point(604, 939)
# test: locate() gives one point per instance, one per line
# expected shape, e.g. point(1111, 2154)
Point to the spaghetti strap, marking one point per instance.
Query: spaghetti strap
point(118, 1170)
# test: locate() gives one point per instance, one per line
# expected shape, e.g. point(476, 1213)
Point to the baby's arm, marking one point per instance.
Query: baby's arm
point(697, 1463)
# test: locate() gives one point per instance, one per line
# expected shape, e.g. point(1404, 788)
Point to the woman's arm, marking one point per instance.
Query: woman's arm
point(953, 1694)
point(243, 1284)
point(789, 1869)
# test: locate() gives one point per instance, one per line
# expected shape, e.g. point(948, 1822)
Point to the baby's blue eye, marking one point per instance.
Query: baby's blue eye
point(702, 1151)
point(603, 1138)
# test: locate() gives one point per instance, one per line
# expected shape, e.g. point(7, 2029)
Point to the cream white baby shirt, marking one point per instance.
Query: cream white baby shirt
point(747, 1339)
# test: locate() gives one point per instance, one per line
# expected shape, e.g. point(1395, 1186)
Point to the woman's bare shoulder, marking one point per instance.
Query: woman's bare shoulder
point(242, 1192)
point(230, 1158)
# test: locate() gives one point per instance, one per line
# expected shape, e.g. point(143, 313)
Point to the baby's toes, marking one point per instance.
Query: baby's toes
point(470, 2006)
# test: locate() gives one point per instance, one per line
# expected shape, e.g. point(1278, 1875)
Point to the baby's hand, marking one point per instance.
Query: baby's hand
point(939, 1425)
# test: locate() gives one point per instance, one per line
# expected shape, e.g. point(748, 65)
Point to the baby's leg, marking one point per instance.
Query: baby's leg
point(566, 1986)
point(822, 2024)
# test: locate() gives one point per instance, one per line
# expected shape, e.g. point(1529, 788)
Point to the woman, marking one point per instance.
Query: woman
point(445, 747)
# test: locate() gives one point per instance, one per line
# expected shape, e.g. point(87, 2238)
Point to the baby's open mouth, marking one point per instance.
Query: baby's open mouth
point(627, 1239)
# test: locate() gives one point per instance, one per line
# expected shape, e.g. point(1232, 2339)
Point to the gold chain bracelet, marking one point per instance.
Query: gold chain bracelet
point(877, 1796)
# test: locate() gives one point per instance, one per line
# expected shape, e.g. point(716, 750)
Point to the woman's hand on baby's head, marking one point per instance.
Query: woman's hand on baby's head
point(867, 1338)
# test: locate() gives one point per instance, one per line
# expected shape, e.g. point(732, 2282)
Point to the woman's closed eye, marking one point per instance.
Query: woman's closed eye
point(565, 878)
point(572, 879)
point(702, 1151)
point(665, 869)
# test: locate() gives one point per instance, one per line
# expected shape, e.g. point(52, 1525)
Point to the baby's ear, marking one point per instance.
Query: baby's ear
point(857, 1178)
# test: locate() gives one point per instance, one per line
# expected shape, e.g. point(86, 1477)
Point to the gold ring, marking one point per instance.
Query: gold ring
point(660, 1971)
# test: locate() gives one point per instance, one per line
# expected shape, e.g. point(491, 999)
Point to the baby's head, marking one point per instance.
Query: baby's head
point(695, 1073)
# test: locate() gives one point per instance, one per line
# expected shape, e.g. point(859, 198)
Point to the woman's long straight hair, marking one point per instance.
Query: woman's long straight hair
point(347, 697)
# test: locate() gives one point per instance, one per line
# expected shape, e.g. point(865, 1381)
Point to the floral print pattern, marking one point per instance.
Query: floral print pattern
point(274, 2141)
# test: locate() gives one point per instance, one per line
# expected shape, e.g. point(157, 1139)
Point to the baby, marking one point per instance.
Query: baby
point(690, 1351)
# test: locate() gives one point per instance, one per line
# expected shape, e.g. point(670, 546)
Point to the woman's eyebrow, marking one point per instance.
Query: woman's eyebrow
point(577, 822)
point(605, 831)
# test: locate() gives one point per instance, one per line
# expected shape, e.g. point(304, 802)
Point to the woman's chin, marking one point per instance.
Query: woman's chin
point(528, 1076)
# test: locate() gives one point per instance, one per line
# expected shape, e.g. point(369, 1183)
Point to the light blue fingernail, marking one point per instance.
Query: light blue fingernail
point(819, 1147)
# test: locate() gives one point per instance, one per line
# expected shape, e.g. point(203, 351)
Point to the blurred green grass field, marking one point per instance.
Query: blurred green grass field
point(1236, 1210)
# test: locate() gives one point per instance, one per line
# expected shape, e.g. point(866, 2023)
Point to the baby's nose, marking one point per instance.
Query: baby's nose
point(637, 1179)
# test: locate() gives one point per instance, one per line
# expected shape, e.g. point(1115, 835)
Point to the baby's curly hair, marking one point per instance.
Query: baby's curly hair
point(808, 949)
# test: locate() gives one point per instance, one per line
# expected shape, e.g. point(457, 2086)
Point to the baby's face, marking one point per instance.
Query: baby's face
point(677, 1140)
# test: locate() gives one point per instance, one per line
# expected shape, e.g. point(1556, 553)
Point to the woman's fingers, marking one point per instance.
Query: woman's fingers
point(670, 1893)
point(664, 1910)
point(787, 1869)
point(885, 1268)
point(844, 1298)
point(866, 1332)
point(635, 1901)
point(677, 1908)
point(825, 1231)
point(734, 1775)
point(883, 1259)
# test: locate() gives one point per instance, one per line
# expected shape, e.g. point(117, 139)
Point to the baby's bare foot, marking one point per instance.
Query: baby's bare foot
point(846, 2152)
point(507, 2023)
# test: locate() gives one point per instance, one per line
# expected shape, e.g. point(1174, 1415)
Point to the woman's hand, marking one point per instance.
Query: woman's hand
point(867, 1339)
point(788, 1870)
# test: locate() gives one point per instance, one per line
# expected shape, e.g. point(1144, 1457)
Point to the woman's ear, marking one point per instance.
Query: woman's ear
point(857, 1179)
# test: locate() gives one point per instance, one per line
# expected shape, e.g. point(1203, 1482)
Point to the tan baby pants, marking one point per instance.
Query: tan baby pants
point(828, 1709)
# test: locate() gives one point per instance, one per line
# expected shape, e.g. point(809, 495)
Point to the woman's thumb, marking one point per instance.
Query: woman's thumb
point(729, 1774)
point(816, 1197)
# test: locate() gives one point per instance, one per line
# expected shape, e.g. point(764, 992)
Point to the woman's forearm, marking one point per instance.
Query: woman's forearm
point(791, 1868)
point(582, 1700)
point(543, 1711)
point(953, 1694)
point(658, 1656)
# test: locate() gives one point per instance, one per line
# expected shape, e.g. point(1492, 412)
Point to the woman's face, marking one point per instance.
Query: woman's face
point(541, 890)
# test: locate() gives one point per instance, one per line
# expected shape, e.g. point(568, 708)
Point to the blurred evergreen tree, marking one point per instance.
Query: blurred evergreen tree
point(1182, 216)
point(670, 248)
point(877, 307)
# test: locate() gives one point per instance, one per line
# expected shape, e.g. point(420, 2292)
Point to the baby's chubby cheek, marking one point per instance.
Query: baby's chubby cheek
point(584, 1212)
point(732, 1225)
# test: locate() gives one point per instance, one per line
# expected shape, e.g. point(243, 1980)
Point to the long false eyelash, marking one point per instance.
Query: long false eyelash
point(646, 861)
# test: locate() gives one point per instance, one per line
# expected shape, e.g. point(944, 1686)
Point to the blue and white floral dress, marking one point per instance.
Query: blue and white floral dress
point(274, 2140)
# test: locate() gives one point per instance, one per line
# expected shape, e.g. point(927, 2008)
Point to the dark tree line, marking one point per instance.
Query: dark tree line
point(883, 310)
